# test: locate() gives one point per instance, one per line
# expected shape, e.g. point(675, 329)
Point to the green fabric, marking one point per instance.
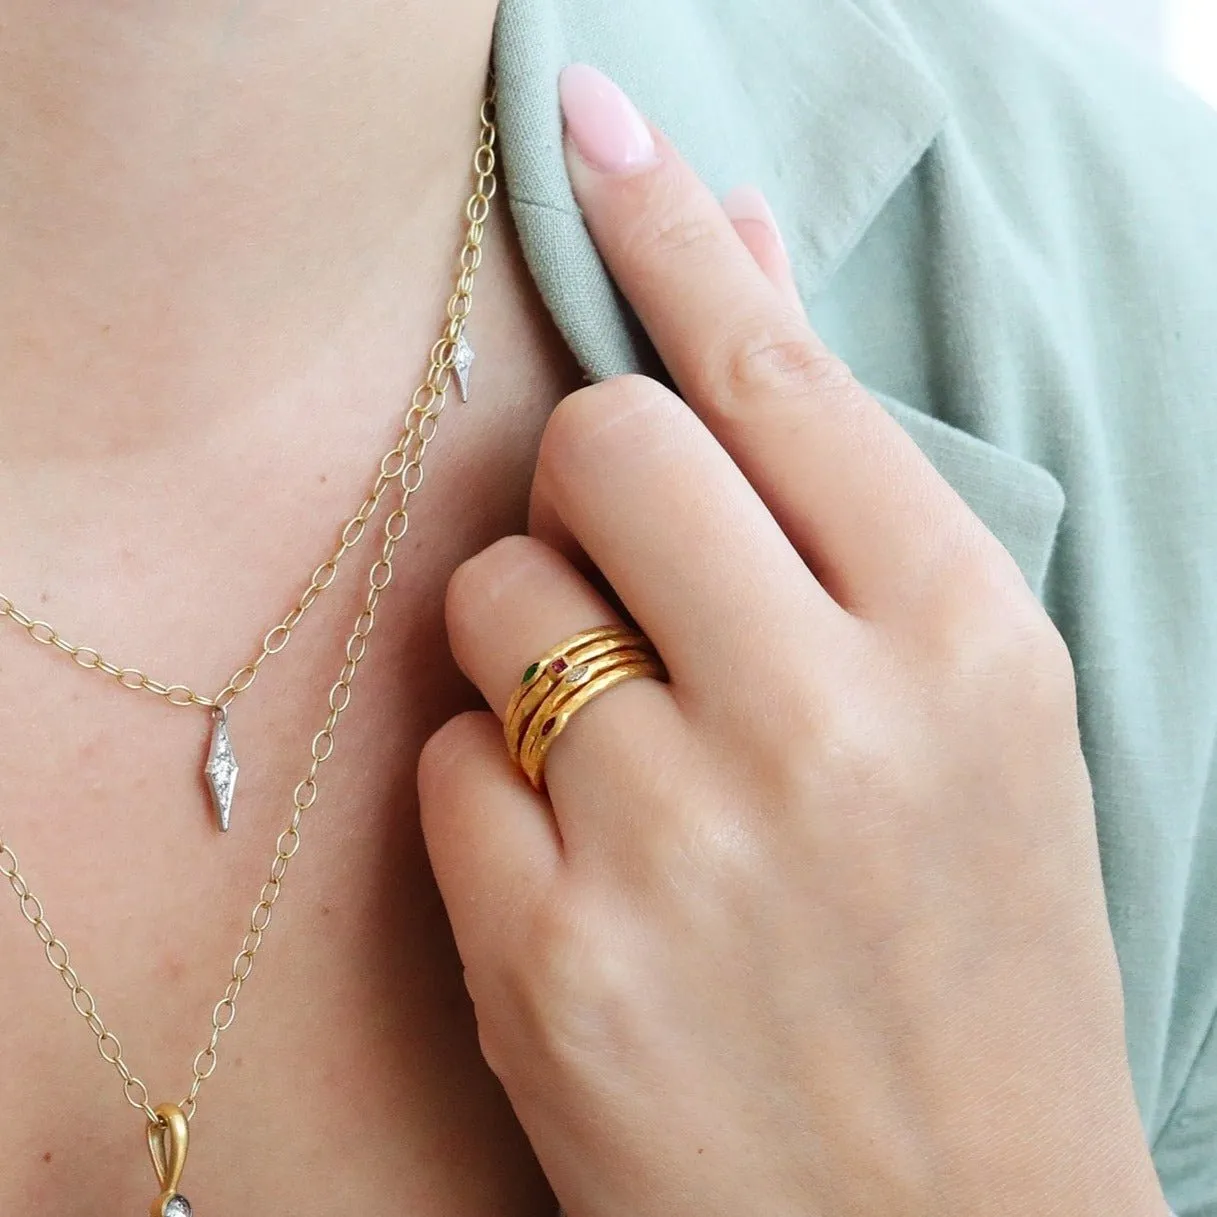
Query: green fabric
point(1010, 231)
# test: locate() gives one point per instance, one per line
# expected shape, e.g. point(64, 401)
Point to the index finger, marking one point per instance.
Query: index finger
point(852, 491)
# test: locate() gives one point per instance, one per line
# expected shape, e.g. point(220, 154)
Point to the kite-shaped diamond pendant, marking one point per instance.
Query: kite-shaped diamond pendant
point(462, 361)
point(221, 770)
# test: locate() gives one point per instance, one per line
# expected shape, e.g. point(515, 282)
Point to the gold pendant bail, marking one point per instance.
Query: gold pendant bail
point(168, 1141)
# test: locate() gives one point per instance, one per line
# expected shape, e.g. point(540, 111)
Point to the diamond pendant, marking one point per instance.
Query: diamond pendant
point(221, 771)
point(462, 361)
point(168, 1140)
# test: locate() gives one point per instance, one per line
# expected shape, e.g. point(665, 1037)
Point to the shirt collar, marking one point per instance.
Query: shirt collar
point(825, 106)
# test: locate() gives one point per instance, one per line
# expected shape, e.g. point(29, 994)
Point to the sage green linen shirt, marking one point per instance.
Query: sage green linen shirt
point(1009, 230)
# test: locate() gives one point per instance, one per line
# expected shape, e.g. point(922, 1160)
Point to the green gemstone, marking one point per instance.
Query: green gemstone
point(530, 672)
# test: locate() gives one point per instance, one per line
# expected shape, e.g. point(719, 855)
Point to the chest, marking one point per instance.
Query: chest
point(349, 1076)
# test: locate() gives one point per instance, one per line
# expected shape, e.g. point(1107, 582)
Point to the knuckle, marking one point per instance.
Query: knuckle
point(807, 747)
point(566, 989)
point(679, 233)
point(971, 584)
point(965, 585)
point(1036, 649)
point(1011, 655)
point(583, 422)
point(481, 581)
point(838, 753)
point(781, 360)
point(701, 846)
point(441, 761)
point(585, 414)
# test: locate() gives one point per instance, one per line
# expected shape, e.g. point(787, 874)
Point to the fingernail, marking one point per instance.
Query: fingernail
point(607, 131)
point(748, 204)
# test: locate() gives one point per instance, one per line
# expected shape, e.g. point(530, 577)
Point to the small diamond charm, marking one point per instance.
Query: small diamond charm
point(176, 1206)
point(221, 771)
point(462, 361)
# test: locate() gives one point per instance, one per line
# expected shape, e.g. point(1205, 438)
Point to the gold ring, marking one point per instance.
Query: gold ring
point(541, 675)
point(563, 680)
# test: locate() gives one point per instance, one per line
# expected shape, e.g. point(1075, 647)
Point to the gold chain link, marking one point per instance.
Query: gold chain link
point(403, 465)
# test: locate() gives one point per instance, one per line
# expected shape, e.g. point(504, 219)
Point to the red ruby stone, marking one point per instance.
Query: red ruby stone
point(547, 726)
point(558, 667)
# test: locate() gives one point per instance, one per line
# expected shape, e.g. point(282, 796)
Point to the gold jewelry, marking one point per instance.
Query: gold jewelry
point(221, 768)
point(558, 709)
point(168, 1125)
point(539, 677)
point(565, 679)
point(168, 1140)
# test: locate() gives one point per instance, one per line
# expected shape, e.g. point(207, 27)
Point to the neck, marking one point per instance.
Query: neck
point(202, 202)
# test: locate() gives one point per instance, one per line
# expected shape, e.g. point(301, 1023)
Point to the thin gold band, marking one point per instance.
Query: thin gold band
point(541, 673)
point(563, 680)
point(533, 760)
point(541, 677)
point(584, 672)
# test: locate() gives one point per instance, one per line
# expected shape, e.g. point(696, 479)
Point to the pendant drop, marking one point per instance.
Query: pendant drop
point(168, 1140)
point(221, 771)
point(462, 361)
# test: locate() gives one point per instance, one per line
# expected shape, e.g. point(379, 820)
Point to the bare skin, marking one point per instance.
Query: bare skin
point(228, 232)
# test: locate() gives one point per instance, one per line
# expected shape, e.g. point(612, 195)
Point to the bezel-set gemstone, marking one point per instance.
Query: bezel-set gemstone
point(575, 675)
point(530, 672)
point(177, 1206)
point(558, 666)
point(547, 726)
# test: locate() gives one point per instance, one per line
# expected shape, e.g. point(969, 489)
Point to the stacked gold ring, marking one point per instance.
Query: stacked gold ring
point(563, 680)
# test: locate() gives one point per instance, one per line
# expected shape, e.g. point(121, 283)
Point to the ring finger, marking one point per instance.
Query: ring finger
point(510, 604)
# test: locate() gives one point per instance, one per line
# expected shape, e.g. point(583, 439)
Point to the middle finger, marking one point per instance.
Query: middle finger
point(860, 501)
point(656, 503)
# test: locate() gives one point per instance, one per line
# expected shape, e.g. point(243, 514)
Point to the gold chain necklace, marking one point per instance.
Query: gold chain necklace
point(221, 768)
point(169, 1123)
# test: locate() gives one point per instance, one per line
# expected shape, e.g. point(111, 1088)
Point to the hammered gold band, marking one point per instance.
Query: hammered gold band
point(563, 680)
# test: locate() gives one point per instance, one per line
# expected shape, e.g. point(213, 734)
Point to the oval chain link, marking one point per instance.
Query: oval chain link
point(393, 467)
point(402, 465)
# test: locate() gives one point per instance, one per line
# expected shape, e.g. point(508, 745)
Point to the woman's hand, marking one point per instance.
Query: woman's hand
point(818, 927)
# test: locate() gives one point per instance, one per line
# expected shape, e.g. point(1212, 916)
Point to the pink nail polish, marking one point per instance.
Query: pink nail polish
point(747, 203)
point(608, 132)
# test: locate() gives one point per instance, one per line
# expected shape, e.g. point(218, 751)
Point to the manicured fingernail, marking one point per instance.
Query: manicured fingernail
point(608, 132)
point(748, 204)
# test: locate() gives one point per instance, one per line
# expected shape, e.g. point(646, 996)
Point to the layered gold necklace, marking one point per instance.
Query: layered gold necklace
point(168, 1124)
